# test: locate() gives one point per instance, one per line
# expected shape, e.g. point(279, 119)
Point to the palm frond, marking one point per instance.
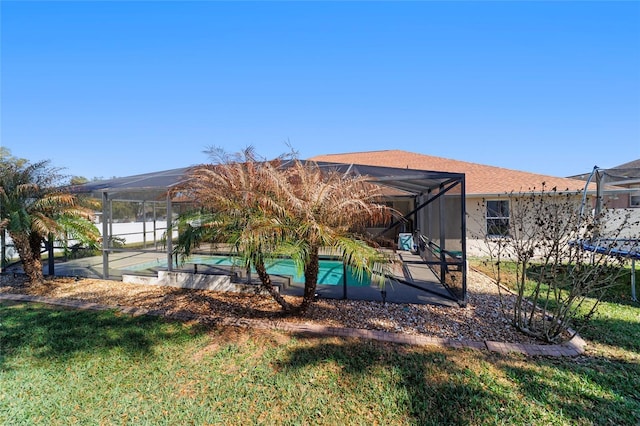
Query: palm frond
point(365, 259)
point(265, 210)
point(43, 225)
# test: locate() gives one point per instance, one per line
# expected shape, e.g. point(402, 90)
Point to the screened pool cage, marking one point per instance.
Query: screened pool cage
point(137, 212)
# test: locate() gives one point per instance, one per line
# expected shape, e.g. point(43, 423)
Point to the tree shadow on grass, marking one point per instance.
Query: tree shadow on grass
point(56, 334)
point(471, 387)
point(431, 387)
point(584, 391)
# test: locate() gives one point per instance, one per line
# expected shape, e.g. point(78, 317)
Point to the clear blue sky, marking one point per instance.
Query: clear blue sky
point(117, 88)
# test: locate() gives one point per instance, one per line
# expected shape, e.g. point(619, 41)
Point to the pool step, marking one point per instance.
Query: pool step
point(194, 281)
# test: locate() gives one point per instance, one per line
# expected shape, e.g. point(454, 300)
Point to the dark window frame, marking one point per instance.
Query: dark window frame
point(497, 218)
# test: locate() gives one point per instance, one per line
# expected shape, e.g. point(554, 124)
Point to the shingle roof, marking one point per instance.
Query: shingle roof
point(480, 179)
point(624, 174)
point(635, 164)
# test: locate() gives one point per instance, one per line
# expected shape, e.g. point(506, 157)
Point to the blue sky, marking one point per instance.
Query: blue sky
point(118, 88)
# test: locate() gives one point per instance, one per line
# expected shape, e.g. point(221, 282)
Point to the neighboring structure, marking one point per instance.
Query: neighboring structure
point(618, 189)
point(487, 187)
point(621, 184)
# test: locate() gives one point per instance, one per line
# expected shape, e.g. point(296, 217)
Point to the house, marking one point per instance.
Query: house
point(486, 188)
point(449, 206)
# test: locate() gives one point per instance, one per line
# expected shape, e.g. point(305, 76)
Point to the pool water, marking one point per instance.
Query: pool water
point(331, 271)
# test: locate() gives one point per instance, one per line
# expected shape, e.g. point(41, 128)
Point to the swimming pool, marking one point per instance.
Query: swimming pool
point(331, 271)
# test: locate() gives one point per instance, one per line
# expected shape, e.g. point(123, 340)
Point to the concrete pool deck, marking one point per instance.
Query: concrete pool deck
point(128, 264)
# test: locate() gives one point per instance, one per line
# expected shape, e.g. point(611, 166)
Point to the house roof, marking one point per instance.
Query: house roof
point(618, 176)
point(635, 164)
point(627, 174)
point(480, 179)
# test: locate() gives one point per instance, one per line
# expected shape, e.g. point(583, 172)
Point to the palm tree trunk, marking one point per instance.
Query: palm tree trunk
point(311, 269)
point(265, 279)
point(31, 261)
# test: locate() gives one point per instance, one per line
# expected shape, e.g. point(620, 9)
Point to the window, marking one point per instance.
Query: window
point(634, 200)
point(498, 217)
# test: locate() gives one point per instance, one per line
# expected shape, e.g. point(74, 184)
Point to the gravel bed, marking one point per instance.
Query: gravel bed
point(482, 318)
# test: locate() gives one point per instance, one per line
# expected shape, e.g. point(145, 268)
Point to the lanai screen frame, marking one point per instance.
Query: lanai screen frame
point(414, 183)
point(426, 187)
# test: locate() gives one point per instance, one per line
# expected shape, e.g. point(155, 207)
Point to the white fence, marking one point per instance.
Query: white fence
point(147, 234)
point(139, 232)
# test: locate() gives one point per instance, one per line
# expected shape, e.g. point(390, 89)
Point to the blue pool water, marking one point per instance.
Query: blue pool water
point(331, 271)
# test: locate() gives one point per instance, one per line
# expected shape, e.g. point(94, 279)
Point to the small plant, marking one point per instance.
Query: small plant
point(563, 262)
point(117, 242)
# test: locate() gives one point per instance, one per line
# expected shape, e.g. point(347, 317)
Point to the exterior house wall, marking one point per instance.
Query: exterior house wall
point(476, 226)
point(477, 221)
point(623, 200)
point(617, 218)
point(618, 201)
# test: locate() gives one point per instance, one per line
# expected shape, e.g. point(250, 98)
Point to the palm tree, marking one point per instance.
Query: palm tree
point(329, 210)
point(283, 207)
point(34, 209)
point(233, 201)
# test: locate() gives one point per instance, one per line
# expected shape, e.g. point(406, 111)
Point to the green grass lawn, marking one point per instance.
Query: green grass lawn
point(60, 367)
